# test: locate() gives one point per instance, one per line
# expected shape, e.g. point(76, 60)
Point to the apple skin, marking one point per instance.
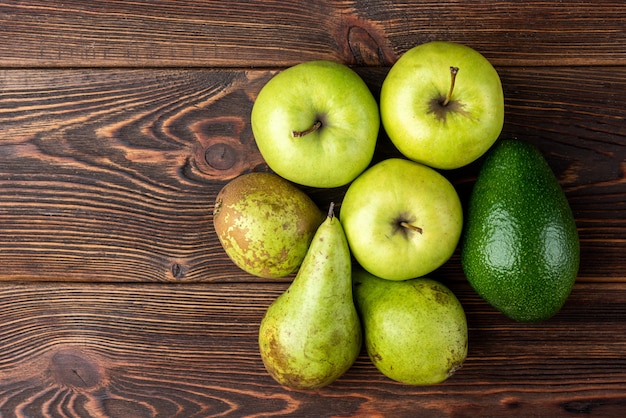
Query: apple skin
point(396, 190)
point(412, 115)
point(293, 100)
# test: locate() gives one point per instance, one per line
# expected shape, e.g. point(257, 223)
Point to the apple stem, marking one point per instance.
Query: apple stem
point(411, 227)
point(300, 134)
point(331, 210)
point(453, 73)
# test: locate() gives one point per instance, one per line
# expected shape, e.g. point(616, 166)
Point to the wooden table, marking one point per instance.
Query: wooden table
point(119, 123)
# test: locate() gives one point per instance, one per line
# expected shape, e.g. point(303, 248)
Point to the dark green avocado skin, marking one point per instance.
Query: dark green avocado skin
point(520, 249)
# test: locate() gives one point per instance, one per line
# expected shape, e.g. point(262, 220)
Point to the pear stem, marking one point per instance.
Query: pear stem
point(411, 227)
point(331, 210)
point(453, 73)
point(300, 134)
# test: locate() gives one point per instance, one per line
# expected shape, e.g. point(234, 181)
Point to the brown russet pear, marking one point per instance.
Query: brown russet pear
point(265, 223)
point(311, 334)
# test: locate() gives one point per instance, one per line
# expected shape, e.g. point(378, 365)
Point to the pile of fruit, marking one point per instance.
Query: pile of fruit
point(361, 277)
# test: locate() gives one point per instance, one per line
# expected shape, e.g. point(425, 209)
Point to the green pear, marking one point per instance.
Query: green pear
point(415, 331)
point(311, 334)
point(265, 223)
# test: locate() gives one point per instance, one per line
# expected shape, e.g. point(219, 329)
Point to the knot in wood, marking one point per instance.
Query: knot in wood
point(364, 48)
point(178, 272)
point(72, 369)
point(220, 156)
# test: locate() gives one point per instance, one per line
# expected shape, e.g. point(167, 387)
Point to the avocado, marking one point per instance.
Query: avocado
point(519, 248)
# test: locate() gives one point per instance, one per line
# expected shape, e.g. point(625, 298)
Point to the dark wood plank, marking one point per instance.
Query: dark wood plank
point(278, 33)
point(119, 123)
point(106, 175)
point(191, 351)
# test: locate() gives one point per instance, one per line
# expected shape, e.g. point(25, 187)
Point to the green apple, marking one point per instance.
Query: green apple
point(442, 104)
point(316, 124)
point(402, 219)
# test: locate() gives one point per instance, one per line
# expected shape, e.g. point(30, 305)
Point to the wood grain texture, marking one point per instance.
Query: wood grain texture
point(110, 175)
point(121, 120)
point(278, 33)
point(191, 351)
